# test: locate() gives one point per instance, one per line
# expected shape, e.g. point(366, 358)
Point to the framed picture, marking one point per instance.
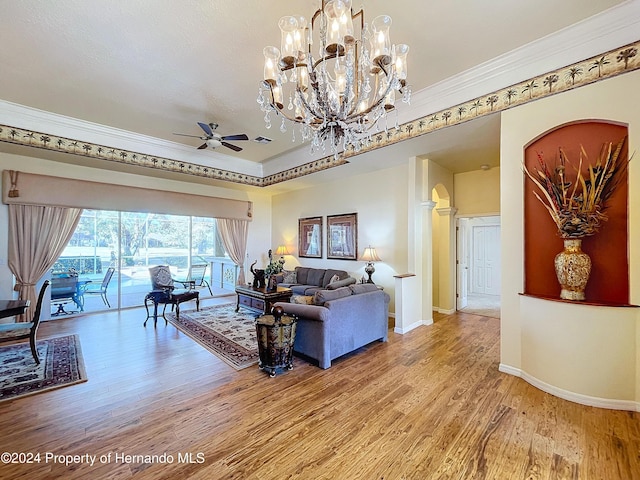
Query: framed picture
point(310, 237)
point(342, 236)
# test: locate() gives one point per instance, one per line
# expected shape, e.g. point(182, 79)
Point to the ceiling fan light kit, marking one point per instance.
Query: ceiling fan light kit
point(214, 139)
point(334, 84)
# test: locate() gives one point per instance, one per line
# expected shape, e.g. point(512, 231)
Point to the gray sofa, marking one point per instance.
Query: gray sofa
point(340, 321)
point(307, 281)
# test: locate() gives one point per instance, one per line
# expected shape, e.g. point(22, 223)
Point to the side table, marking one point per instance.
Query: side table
point(260, 300)
point(276, 336)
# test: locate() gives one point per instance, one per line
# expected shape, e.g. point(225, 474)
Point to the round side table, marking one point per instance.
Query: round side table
point(276, 335)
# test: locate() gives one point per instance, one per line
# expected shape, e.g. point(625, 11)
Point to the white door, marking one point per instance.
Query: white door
point(486, 260)
point(462, 263)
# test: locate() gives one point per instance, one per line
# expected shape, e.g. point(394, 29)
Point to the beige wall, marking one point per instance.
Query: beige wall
point(477, 192)
point(259, 228)
point(585, 353)
point(380, 200)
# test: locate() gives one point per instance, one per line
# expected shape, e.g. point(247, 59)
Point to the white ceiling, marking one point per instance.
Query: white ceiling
point(155, 67)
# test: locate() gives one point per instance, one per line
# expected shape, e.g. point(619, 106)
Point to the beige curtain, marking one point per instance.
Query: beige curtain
point(37, 237)
point(234, 236)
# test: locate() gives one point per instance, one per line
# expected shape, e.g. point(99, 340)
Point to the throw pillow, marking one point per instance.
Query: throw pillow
point(289, 276)
point(302, 299)
point(341, 283)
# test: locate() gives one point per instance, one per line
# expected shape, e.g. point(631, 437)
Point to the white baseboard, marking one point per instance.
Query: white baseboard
point(444, 311)
point(413, 326)
point(590, 401)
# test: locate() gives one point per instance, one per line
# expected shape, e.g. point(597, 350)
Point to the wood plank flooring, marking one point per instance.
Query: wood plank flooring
point(430, 404)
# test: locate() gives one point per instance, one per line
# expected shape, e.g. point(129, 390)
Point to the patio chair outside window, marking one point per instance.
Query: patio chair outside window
point(196, 279)
point(102, 288)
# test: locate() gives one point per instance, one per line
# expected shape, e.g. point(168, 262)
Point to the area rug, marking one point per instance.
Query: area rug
point(61, 365)
point(229, 335)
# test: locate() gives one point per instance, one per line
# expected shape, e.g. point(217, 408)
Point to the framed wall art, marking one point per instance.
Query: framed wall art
point(342, 236)
point(310, 237)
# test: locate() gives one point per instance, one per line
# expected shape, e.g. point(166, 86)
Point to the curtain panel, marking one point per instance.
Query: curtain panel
point(234, 236)
point(37, 237)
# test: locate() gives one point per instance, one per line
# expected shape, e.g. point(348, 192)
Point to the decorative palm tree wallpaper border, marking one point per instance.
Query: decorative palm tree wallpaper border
point(615, 62)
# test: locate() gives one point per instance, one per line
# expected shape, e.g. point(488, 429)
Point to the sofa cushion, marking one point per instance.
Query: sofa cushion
point(322, 296)
point(299, 289)
point(302, 273)
point(363, 288)
point(289, 276)
point(341, 283)
point(316, 276)
point(328, 275)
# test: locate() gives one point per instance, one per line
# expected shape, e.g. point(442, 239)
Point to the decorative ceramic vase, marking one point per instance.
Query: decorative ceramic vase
point(573, 267)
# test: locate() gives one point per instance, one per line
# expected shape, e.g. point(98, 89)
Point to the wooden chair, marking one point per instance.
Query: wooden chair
point(31, 328)
point(164, 292)
point(100, 289)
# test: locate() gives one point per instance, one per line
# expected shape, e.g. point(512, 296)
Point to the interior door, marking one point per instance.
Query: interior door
point(486, 260)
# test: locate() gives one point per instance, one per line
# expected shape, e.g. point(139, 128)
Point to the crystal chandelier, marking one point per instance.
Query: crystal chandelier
point(335, 85)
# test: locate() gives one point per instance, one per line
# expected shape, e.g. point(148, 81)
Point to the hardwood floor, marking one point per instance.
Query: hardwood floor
point(426, 405)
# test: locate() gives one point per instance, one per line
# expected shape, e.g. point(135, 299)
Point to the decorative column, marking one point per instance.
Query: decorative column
point(447, 277)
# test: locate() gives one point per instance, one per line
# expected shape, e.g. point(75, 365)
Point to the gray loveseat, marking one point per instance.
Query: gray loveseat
point(307, 281)
point(340, 321)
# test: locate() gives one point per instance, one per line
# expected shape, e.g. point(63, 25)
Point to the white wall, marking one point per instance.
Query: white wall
point(380, 200)
point(588, 354)
point(259, 228)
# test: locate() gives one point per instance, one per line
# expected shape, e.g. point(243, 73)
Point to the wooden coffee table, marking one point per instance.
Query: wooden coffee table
point(259, 300)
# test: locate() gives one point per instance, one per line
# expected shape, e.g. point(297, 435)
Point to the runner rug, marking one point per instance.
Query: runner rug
point(61, 365)
point(228, 334)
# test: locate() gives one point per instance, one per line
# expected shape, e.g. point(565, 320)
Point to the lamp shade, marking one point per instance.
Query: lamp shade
point(370, 255)
point(282, 250)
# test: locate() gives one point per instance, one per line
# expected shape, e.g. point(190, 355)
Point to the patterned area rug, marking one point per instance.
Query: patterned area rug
point(229, 335)
point(61, 365)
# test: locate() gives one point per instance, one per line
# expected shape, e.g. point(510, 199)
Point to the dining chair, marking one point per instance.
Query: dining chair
point(30, 328)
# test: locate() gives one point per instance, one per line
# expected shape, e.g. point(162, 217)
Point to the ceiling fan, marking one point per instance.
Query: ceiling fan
point(214, 139)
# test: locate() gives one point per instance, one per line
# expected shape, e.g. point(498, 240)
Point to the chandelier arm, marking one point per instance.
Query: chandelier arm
point(281, 112)
point(307, 105)
point(361, 15)
point(353, 115)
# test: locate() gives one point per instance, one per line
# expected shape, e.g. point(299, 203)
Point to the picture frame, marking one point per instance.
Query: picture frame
point(310, 237)
point(342, 236)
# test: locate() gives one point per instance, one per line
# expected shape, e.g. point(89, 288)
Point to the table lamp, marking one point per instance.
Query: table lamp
point(282, 251)
point(369, 255)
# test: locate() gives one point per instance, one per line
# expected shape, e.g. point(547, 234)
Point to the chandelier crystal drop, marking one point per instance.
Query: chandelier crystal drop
point(334, 84)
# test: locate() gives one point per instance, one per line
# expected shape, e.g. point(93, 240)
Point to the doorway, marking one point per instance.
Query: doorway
point(478, 265)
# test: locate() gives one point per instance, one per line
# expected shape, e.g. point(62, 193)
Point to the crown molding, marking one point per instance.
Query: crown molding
point(589, 51)
point(53, 124)
point(603, 32)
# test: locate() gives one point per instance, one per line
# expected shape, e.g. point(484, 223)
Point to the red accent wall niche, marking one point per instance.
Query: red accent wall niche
point(609, 280)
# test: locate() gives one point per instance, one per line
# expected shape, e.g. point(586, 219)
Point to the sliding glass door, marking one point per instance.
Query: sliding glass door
point(130, 243)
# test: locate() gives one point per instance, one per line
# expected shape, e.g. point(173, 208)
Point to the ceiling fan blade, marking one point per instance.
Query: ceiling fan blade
point(240, 136)
point(203, 146)
point(194, 136)
point(206, 128)
point(232, 147)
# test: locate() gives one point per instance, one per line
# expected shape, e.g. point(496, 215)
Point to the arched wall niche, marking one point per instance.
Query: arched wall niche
point(609, 280)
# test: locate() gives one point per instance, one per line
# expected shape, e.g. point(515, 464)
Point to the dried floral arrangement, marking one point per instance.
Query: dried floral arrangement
point(577, 205)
